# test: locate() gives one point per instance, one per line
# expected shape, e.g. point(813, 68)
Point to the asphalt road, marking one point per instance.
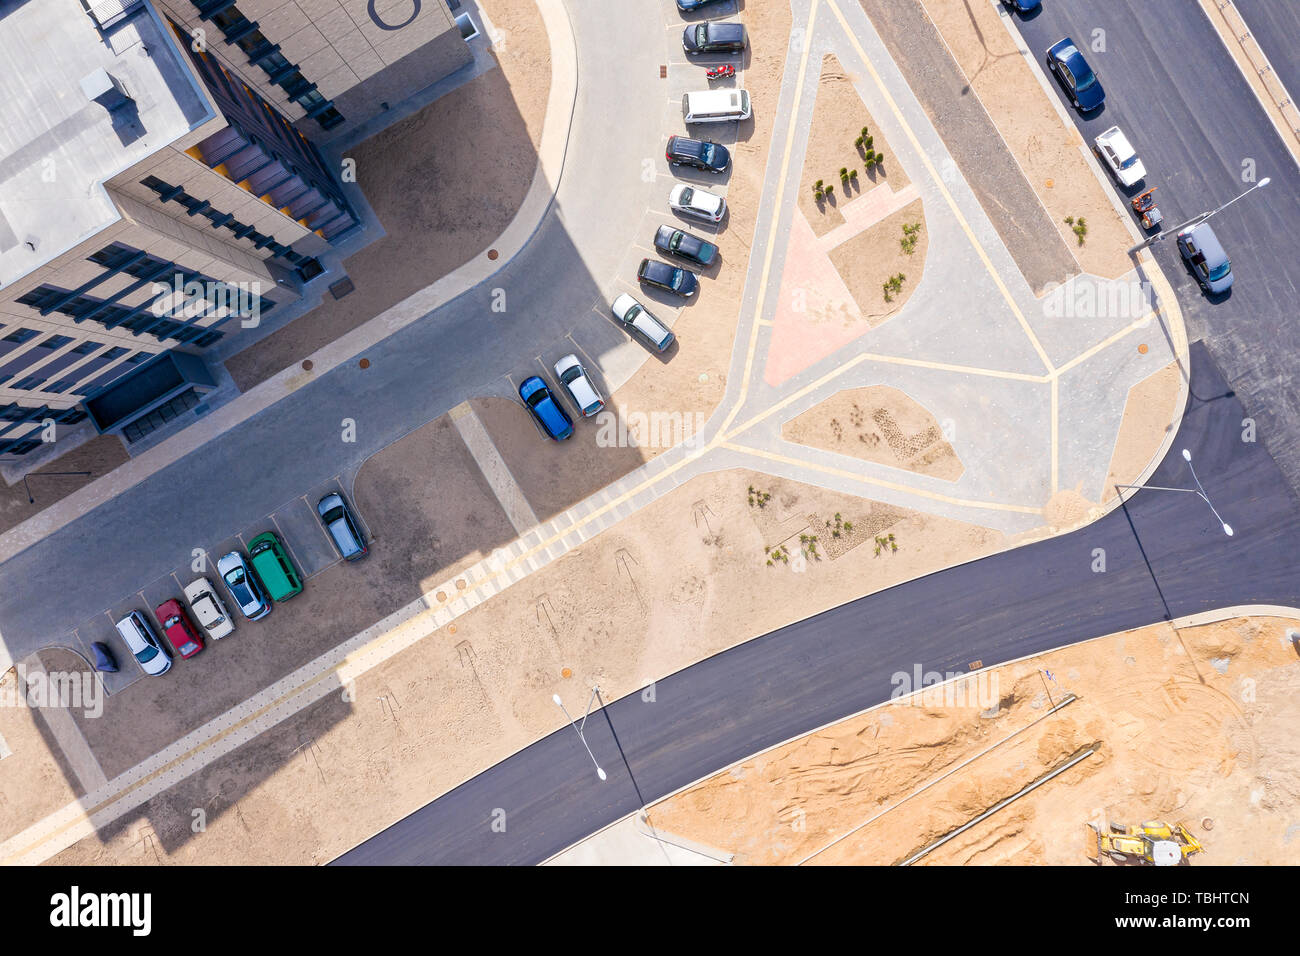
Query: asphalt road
point(1165, 556)
point(1275, 25)
point(1172, 86)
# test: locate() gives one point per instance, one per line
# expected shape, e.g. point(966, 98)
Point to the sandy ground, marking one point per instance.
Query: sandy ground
point(879, 424)
point(98, 456)
point(838, 117)
point(1148, 418)
point(1195, 725)
point(34, 781)
point(430, 510)
point(621, 611)
point(1047, 151)
point(404, 172)
point(871, 257)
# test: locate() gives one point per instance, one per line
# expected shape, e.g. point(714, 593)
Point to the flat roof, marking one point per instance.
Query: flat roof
point(57, 146)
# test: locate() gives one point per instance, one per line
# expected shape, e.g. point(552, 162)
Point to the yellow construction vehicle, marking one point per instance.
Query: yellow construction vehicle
point(1154, 843)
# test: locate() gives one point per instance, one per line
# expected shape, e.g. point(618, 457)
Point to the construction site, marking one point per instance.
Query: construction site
point(1167, 745)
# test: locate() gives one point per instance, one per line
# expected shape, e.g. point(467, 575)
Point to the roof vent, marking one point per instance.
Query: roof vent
point(105, 89)
point(109, 13)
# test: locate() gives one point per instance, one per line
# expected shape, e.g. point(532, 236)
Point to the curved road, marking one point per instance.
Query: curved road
point(1165, 558)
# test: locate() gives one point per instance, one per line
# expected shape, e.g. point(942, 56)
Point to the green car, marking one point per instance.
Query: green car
point(273, 567)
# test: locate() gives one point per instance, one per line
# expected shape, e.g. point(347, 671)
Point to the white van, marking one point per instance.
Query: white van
point(145, 646)
point(716, 106)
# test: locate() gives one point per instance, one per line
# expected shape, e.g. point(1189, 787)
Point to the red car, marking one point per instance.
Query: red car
point(181, 632)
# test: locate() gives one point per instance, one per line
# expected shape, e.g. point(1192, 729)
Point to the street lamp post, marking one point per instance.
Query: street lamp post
point(1196, 220)
point(1199, 490)
point(578, 727)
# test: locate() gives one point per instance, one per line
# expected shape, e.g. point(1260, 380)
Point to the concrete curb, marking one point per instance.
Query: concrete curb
point(1279, 101)
point(541, 194)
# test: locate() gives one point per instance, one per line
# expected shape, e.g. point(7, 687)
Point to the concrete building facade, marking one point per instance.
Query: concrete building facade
point(161, 190)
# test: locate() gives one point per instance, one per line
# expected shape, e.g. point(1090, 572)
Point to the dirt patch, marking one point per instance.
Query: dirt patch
point(621, 610)
point(553, 475)
point(33, 780)
point(1189, 725)
point(98, 456)
point(838, 118)
point(429, 508)
point(873, 257)
point(878, 424)
point(1046, 150)
point(1148, 417)
point(440, 204)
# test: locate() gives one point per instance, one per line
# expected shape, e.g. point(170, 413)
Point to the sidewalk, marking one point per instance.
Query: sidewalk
point(550, 167)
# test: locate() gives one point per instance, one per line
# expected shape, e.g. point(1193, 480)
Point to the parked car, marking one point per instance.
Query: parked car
point(696, 202)
point(1023, 6)
point(670, 278)
point(714, 37)
point(539, 401)
point(1207, 257)
point(1119, 156)
point(1078, 78)
point(687, 6)
point(698, 153)
point(635, 318)
point(180, 630)
point(274, 569)
point(145, 647)
point(716, 106)
point(677, 242)
point(342, 527)
point(208, 609)
point(243, 586)
point(577, 383)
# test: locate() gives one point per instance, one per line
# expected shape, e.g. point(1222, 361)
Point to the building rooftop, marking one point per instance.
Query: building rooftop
point(58, 146)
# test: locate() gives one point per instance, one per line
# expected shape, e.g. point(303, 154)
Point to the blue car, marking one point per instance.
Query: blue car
point(539, 400)
point(1023, 6)
point(687, 6)
point(1075, 75)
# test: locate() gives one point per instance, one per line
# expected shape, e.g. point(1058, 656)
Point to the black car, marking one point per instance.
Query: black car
point(714, 38)
point(677, 242)
point(699, 153)
point(672, 279)
point(689, 6)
